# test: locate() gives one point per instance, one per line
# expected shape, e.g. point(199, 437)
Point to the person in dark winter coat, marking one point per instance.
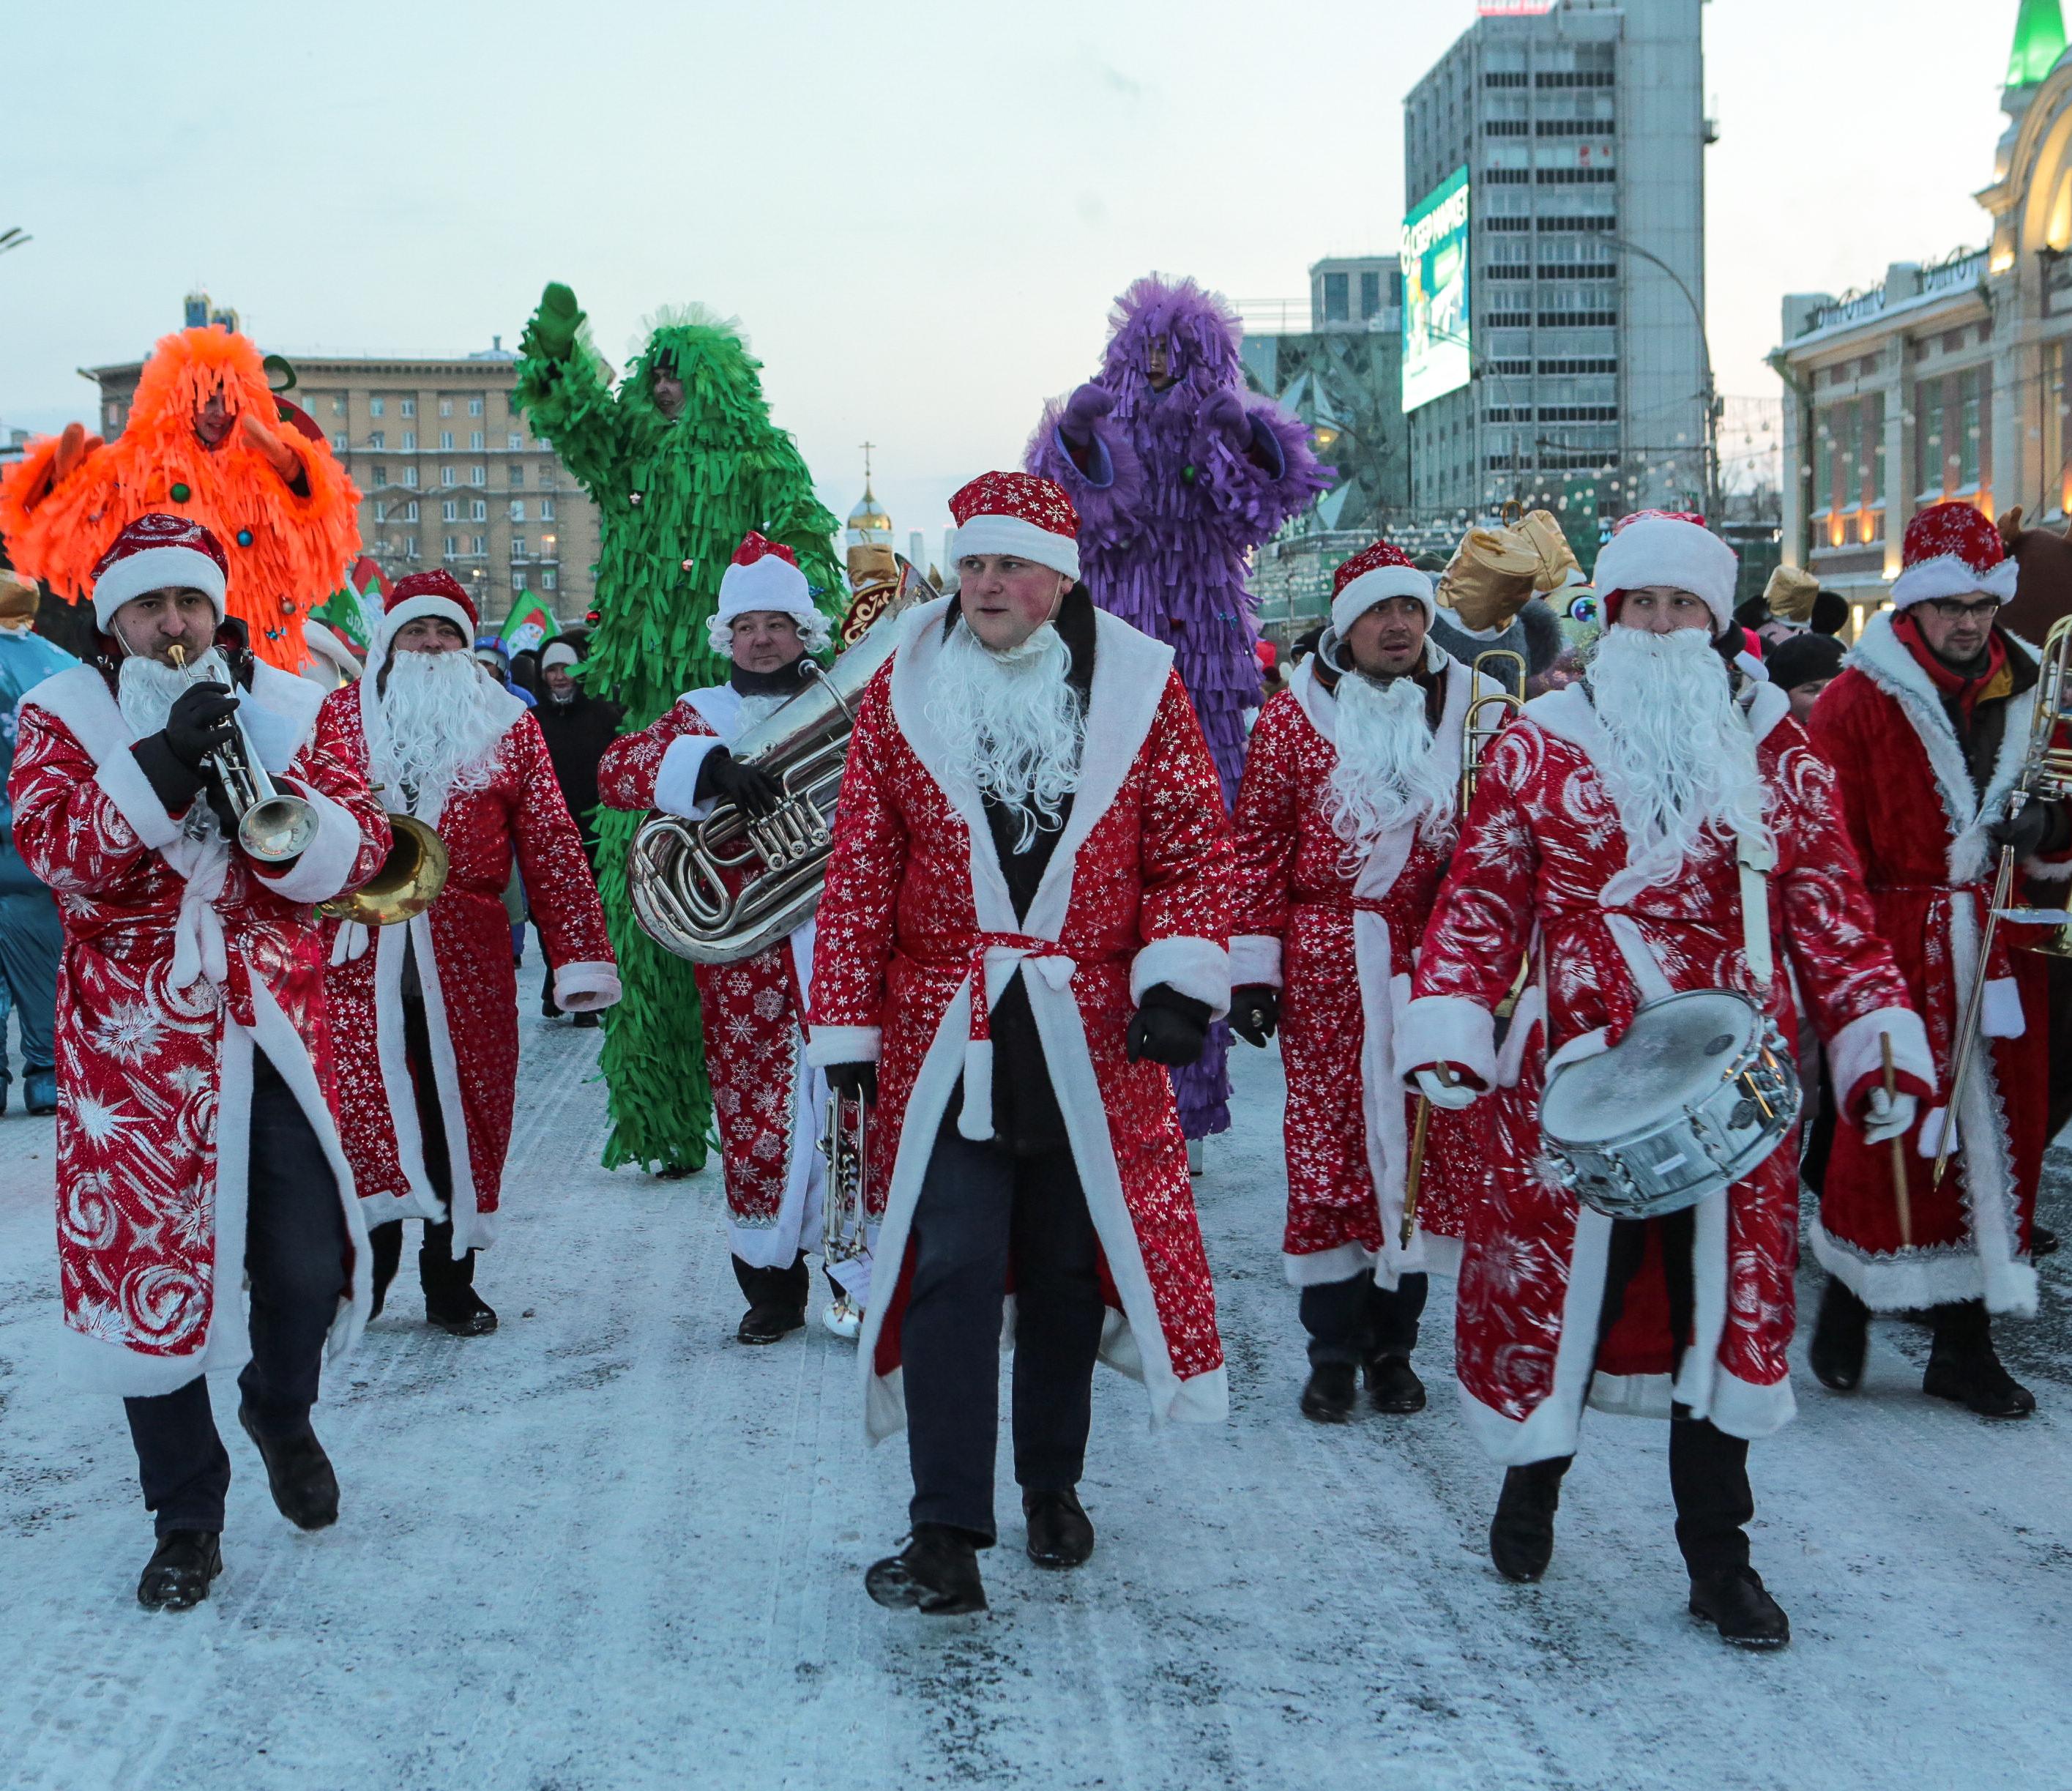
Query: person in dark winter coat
point(578, 727)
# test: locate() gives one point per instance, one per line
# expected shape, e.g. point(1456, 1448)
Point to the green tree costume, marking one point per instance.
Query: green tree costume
point(675, 496)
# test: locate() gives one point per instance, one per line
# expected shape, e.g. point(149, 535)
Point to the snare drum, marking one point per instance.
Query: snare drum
point(1696, 1094)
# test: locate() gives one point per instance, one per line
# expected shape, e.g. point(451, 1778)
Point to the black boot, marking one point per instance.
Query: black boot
point(1839, 1335)
point(2042, 1240)
point(936, 1572)
point(385, 1251)
point(299, 1474)
point(451, 1303)
point(776, 1300)
point(176, 1577)
point(1734, 1602)
point(1331, 1394)
point(767, 1324)
point(1963, 1366)
point(1061, 1535)
point(1392, 1385)
point(1522, 1532)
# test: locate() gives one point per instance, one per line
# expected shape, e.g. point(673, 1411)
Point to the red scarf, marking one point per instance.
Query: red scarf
point(1995, 680)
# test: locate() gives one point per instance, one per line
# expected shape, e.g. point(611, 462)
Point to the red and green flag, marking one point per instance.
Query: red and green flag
point(349, 610)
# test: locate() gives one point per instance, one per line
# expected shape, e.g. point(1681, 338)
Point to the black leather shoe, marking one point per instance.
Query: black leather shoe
point(586, 1021)
point(176, 1577)
point(1331, 1394)
point(1392, 1385)
point(766, 1324)
point(460, 1312)
point(1061, 1535)
point(1522, 1532)
point(937, 1572)
point(1975, 1379)
point(2042, 1240)
point(299, 1474)
point(1840, 1334)
point(1735, 1604)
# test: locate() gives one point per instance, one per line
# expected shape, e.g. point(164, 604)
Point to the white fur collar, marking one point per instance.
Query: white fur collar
point(279, 720)
point(1882, 657)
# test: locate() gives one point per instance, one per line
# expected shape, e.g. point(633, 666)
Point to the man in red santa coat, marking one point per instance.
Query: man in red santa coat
point(1026, 917)
point(1345, 820)
point(769, 1102)
point(197, 1143)
point(1646, 833)
point(424, 1013)
point(1927, 729)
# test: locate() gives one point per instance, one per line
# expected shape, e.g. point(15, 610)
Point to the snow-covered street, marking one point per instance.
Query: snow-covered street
point(608, 1547)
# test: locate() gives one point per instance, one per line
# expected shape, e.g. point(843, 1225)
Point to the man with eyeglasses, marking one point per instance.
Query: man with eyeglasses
point(1927, 728)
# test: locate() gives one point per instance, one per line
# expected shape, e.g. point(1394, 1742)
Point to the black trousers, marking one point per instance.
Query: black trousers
point(775, 1286)
point(1355, 1320)
point(437, 1272)
point(983, 1212)
point(1708, 1468)
point(297, 1256)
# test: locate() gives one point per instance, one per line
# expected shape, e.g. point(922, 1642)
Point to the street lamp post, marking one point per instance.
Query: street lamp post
point(1711, 395)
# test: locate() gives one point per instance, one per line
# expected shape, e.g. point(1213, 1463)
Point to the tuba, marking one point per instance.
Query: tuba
point(721, 889)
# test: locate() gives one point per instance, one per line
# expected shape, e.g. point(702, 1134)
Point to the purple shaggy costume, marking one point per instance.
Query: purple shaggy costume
point(1173, 489)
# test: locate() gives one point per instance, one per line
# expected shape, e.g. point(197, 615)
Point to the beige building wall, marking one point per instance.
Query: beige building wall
point(448, 473)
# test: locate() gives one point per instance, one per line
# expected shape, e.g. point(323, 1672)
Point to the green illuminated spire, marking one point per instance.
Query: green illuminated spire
point(2039, 41)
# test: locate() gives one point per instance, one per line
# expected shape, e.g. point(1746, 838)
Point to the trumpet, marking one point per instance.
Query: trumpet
point(273, 826)
point(845, 1143)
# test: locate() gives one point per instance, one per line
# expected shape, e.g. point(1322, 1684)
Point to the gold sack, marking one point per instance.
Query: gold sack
point(1489, 578)
point(1789, 594)
point(1557, 559)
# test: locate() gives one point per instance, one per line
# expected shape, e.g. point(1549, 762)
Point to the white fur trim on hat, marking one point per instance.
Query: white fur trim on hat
point(1018, 536)
point(1377, 586)
point(1667, 550)
point(560, 653)
point(169, 568)
point(1947, 575)
point(417, 609)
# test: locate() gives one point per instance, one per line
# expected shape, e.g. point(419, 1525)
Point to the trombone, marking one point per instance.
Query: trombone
point(272, 825)
point(1477, 734)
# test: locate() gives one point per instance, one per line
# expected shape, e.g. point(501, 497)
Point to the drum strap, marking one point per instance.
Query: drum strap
point(1757, 857)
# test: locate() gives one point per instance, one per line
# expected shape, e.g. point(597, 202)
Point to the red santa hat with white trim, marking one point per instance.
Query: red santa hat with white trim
point(1673, 548)
point(1017, 513)
point(413, 599)
point(765, 575)
point(157, 552)
point(1953, 550)
point(1372, 576)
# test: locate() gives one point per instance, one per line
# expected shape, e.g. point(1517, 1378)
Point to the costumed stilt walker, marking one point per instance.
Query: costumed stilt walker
point(208, 440)
point(423, 1011)
point(198, 1131)
point(1927, 728)
point(1647, 836)
point(771, 1102)
point(1026, 914)
point(1177, 473)
point(683, 461)
point(1344, 823)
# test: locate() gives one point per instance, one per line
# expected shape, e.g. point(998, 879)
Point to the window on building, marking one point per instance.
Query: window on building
point(481, 545)
point(410, 514)
point(478, 475)
point(445, 440)
point(517, 547)
point(380, 474)
point(518, 509)
point(340, 442)
point(338, 404)
point(410, 477)
point(550, 579)
point(546, 509)
point(474, 407)
point(378, 440)
point(445, 407)
point(548, 475)
point(479, 512)
point(517, 476)
point(447, 477)
point(381, 510)
point(410, 542)
point(474, 440)
point(1337, 306)
point(407, 407)
point(409, 441)
point(1971, 413)
point(453, 547)
point(451, 510)
point(377, 404)
point(514, 441)
point(1370, 295)
point(2056, 475)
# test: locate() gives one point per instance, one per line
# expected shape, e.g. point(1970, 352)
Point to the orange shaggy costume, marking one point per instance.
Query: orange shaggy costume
point(290, 534)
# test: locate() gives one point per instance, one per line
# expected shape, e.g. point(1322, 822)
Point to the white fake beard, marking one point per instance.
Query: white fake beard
point(1011, 723)
point(1681, 758)
point(442, 718)
point(1388, 774)
point(146, 690)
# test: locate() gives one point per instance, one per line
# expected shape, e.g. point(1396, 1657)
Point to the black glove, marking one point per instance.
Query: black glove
point(1254, 1012)
point(200, 724)
point(2027, 831)
point(1168, 1028)
point(748, 787)
point(854, 1079)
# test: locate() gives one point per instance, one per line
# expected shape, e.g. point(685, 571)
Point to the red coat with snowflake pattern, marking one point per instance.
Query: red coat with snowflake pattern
point(181, 959)
point(1303, 918)
point(1541, 845)
point(461, 950)
point(1136, 892)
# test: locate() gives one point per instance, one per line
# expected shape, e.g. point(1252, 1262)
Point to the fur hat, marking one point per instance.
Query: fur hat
point(157, 552)
point(1019, 513)
point(765, 575)
point(1952, 551)
point(1672, 547)
point(414, 597)
point(1372, 576)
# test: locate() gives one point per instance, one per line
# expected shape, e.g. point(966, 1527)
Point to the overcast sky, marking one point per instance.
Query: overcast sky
point(919, 209)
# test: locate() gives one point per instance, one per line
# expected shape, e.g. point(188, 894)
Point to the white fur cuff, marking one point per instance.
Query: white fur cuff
point(1254, 957)
point(843, 1044)
point(585, 988)
point(676, 777)
point(1854, 1058)
point(324, 869)
point(1199, 969)
point(1447, 1029)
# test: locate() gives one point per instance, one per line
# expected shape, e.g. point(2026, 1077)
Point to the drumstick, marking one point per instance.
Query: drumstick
point(1419, 1126)
point(1899, 1193)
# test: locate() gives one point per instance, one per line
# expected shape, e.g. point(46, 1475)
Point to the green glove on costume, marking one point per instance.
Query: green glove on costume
point(675, 497)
